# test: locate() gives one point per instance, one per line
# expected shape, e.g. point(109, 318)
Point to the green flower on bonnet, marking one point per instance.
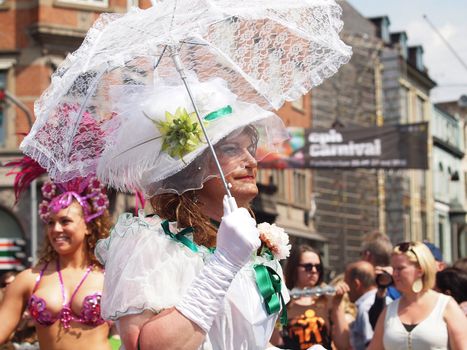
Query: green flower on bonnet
point(181, 133)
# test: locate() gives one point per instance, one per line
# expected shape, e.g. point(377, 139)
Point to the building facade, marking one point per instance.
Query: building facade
point(406, 88)
point(292, 198)
point(457, 112)
point(348, 201)
point(449, 181)
point(35, 37)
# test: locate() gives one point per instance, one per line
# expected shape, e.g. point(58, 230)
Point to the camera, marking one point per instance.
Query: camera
point(384, 279)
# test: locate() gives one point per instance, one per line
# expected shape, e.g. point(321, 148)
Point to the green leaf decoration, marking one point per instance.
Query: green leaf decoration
point(181, 133)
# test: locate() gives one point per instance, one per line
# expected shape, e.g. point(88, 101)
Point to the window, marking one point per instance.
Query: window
point(279, 179)
point(422, 182)
point(440, 240)
point(385, 30)
point(407, 227)
point(299, 188)
point(404, 105)
point(463, 243)
point(420, 110)
point(419, 59)
point(98, 3)
point(424, 224)
point(403, 45)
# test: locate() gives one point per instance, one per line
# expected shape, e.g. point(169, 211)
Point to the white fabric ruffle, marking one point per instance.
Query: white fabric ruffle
point(145, 269)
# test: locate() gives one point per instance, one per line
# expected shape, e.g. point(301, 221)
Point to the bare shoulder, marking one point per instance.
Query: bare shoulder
point(27, 277)
point(23, 284)
point(454, 315)
point(452, 308)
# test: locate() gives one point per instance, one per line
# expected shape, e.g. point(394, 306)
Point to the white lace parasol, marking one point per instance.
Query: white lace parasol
point(267, 51)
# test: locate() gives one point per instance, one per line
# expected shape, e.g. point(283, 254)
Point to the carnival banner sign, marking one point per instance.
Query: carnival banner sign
point(401, 146)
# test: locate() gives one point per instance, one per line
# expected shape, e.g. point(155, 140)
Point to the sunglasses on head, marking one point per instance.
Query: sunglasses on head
point(405, 247)
point(309, 267)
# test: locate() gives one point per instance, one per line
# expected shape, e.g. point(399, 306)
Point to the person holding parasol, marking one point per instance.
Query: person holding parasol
point(172, 102)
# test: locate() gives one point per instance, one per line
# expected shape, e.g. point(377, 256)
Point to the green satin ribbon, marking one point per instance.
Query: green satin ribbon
point(269, 285)
point(180, 237)
point(219, 113)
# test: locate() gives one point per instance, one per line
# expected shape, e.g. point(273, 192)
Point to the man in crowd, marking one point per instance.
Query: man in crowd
point(376, 248)
point(360, 277)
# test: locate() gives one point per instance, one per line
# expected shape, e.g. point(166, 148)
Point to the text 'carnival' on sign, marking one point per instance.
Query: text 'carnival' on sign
point(401, 146)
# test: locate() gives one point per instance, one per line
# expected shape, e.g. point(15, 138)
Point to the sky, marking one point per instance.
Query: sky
point(449, 17)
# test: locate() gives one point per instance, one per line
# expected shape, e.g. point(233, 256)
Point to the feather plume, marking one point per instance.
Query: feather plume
point(26, 170)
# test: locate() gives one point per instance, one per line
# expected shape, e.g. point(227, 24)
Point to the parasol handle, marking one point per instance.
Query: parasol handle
point(232, 204)
point(179, 66)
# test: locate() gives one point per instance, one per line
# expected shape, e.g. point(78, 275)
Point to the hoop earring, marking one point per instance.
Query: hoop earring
point(417, 285)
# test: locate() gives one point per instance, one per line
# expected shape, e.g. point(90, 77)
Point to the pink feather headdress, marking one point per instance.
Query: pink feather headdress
point(88, 192)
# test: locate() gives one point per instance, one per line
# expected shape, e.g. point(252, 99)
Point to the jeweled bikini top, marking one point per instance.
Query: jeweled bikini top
point(90, 312)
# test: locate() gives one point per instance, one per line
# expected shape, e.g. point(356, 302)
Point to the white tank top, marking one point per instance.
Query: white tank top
point(429, 334)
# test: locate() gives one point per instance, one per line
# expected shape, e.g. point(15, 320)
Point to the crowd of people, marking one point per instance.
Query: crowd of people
point(191, 259)
point(402, 297)
point(200, 273)
point(196, 271)
point(405, 297)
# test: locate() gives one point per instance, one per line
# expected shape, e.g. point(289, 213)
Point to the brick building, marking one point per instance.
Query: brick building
point(287, 194)
point(35, 36)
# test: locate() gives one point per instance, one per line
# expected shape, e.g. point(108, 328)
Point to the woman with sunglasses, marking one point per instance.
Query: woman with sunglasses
point(312, 319)
point(421, 318)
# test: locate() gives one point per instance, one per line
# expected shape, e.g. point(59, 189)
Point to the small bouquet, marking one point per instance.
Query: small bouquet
point(274, 241)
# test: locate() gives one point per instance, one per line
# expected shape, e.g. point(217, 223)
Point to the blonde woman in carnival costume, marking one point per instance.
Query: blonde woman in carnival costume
point(62, 292)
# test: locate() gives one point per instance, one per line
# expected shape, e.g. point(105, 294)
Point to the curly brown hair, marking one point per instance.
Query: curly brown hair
point(99, 228)
point(186, 210)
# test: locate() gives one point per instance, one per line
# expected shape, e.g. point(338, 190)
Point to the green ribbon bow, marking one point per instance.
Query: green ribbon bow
point(219, 113)
point(269, 285)
point(180, 237)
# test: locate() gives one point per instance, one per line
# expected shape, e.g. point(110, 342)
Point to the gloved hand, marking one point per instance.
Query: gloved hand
point(237, 238)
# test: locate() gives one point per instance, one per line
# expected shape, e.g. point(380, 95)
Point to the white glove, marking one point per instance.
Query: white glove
point(237, 238)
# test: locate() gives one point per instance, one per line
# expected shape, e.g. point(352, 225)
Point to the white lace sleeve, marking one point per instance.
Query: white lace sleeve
point(145, 269)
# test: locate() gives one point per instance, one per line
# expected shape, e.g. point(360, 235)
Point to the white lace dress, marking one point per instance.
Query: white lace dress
point(147, 269)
